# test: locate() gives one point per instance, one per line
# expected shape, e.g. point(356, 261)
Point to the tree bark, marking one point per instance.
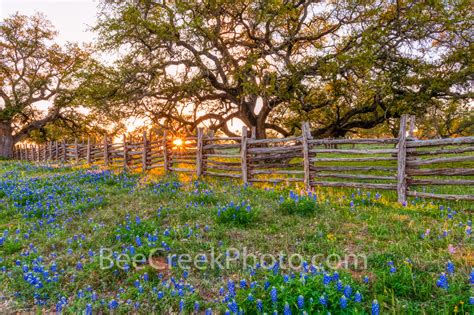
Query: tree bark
point(6, 140)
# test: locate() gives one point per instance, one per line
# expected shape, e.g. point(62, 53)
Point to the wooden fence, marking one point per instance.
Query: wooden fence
point(404, 164)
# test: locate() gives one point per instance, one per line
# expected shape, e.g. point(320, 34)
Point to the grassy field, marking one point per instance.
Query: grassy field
point(350, 251)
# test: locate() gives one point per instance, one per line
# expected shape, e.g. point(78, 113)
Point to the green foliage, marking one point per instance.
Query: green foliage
point(302, 205)
point(236, 213)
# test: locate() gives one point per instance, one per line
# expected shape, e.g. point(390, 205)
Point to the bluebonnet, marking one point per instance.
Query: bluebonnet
point(323, 300)
point(274, 295)
point(231, 287)
point(358, 297)
point(375, 307)
point(343, 302)
point(442, 282)
point(113, 304)
point(347, 291)
point(392, 267)
point(450, 267)
point(233, 307)
point(286, 309)
point(300, 301)
point(259, 305)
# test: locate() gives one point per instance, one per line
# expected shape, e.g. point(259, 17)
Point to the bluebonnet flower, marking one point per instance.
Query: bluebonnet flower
point(243, 283)
point(233, 307)
point(88, 310)
point(366, 279)
point(393, 269)
point(259, 305)
point(138, 241)
point(196, 307)
point(113, 304)
point(286, 309)
point(450, 267)
point(323, 300)
point(347, 291)
point(231, 287)
point(181, 306)
point(375, 307)
point(343, 302)
point(300, 301)
point(326, 279)
point(208, 311)
point(442, 282)
point(250, 297)
point(471, 279)
point(274, 295)
point(358, 297)
point(471, 300)
point(339, 285)
point(79, 266)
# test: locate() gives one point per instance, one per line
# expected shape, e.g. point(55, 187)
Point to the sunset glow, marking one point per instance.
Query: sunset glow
point(178, 142)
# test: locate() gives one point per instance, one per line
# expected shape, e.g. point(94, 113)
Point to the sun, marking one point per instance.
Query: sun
point(178, 142)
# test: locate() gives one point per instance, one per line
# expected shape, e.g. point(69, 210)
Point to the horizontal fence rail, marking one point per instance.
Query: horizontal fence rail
point(403, 164)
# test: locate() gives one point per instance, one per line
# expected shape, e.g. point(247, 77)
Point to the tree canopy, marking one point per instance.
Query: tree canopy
point(35, 73)
point(343, 65)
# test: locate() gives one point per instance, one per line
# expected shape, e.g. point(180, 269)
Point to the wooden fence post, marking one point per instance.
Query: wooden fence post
point(254, 132)
point(106, 151)
point(165, 151)
point(125, 153)
point(401, 157)
point(144, 153)
point(50, 151)
point(306, 164)
point(412, 126)
point(88, 151)
point(199, 145)
point(76, 151)
point(243, 154)
point(63, 145)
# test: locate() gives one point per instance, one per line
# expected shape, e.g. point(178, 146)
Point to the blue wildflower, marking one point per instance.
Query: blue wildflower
point(343, 302)
point(323, 300)
point(300, 301)
point(442, 282)
point(375, 307)
point(286, 309)
point(450, 267)
point(274, 295)
point(358, 297)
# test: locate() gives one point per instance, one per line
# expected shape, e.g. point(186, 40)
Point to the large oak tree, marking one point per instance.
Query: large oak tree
point(343, 65)
point(38, 78)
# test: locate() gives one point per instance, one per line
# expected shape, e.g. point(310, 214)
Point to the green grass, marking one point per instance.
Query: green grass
point(61, 216)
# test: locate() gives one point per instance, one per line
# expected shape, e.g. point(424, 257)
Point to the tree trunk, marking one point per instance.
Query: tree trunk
point(6, 140)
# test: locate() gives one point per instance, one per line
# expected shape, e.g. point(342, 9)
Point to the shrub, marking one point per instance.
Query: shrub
point(294, 204)
point(238, 214)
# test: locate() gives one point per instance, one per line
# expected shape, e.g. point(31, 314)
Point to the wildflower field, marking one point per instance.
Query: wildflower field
point(57, 225)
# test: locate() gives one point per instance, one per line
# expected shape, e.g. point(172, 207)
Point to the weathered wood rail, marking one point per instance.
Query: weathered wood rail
point(404, 164)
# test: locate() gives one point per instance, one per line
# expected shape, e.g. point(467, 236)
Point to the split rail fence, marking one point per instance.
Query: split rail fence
point(404, 164)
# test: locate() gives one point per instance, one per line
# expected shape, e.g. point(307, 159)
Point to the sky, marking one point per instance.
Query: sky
point(71, 18)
